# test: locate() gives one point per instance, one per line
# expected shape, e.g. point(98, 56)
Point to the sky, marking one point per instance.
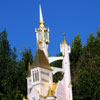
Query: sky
point(21, 17)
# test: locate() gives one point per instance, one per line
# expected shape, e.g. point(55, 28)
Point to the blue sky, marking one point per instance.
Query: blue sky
point(21, 17)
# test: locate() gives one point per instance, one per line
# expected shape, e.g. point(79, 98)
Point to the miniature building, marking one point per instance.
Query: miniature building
point(40, 74)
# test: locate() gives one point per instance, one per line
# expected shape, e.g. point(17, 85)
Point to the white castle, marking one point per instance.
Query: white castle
point(40, 85)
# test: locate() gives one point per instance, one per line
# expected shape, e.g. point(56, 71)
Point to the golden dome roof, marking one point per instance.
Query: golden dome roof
point(64, 42)
point(50, 93)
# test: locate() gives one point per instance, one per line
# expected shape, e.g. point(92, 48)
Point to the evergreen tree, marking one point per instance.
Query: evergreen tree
point(76, 50)
point(85, 67)
point(86, 79)
point(23, 70)
point(8, 65)
point(97, 49)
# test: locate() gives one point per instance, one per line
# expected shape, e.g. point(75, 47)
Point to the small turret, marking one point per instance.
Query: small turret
point(64, 45)
point(42, 35)
point(65, 49)
point(50, 95)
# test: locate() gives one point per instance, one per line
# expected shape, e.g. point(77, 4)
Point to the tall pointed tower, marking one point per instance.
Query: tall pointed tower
point(40, 71)
point(65, 49)
point(42, 35)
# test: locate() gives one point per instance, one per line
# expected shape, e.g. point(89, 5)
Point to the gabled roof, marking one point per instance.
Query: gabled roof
point(40, 60)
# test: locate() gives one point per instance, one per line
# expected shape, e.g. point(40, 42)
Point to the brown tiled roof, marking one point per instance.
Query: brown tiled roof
point(40, 61)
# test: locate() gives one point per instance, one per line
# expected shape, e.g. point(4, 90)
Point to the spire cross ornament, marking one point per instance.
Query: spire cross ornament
point(64, 35)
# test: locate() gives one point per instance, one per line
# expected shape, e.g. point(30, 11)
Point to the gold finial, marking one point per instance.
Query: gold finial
point(64, 42)
point(50, 93)
point(41, 24)
point(41, 19)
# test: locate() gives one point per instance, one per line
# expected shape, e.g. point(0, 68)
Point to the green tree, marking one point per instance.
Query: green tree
point(76, 50)
point(86, 77)
point(8, 67)
point(23, 70)
point(97, 49)
point(26, 57)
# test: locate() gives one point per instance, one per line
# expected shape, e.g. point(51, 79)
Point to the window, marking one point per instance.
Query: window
point(35, 76)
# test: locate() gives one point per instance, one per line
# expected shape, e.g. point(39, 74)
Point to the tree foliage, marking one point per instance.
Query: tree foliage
point(85, 69)
point(86, 75)
point(13, 72)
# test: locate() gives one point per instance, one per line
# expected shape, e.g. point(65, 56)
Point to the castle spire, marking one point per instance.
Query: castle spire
point(41, 18)
point(42, 34)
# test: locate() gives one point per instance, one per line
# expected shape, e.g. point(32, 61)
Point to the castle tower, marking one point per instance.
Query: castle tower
point(65, 49)
point(38, 76)
point(40, 71)
point(42, 35)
